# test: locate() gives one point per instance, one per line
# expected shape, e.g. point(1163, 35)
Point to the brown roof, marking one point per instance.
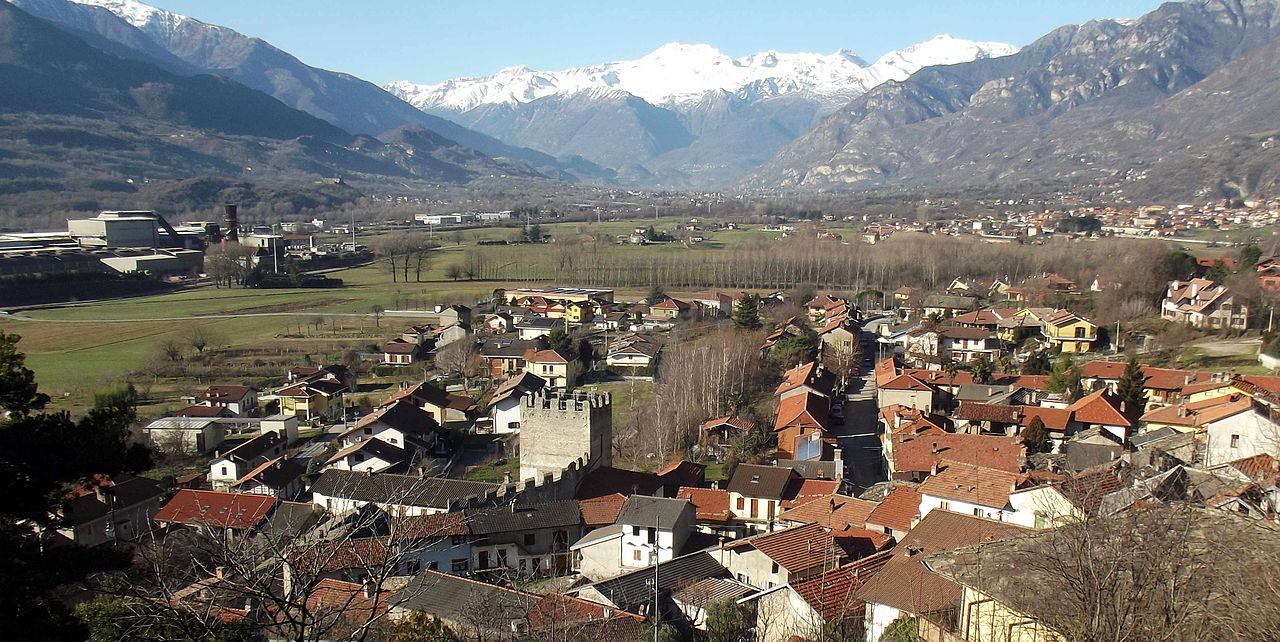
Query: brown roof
point(805, 490)
point(274, 473)
point(330, 595)
point(212, 508)
point(202, 411)
point(906, 382)
point(682, 472)
point(606, 480)
point(972, 484)
point(766, 482)
point(898, 510)
point(430, 526)
point(921, 453)
point(832, 594)
point(728, 420)
point(972, 411)
point(400, 415)
point(227, 393)
point(905, 583)
point(1259, 468)
point(710, 504)
point(399, 346)
point(796, 549)
point(836, 511)
point(602, 511)
point(966, 333)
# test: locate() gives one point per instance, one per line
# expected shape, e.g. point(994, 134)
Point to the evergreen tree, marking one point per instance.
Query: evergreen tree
point(981, 370)
point(1132, 387)
point(43, 454)
point(1066, 379)
point(656, 294)
point(1036, 438)
point(746, 312)
point(1037, 363)
point(560, 341)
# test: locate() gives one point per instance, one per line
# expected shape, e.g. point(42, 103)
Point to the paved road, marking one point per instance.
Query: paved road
point(859, 436)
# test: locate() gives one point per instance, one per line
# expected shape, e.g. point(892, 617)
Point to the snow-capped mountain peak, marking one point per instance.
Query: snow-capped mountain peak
point(138, 14)
point(681, 74)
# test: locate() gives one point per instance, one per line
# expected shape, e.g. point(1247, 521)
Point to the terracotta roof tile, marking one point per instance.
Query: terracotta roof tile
point(1100, 407)
point(898, 510)
point(196, 508)
point(602, 511)
point(835, 511)
point(710, 504)
point(805, 409)
point(920, 454)
point(972, 484)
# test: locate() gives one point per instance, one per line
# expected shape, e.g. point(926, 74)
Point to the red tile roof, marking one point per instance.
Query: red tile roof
point(710, 504)
point(348, 598)
point(906, 382)
point(1052, 418)
point(728, 420)
point(1199, 413)
point(805, 409)
point(602, 511)
point(833, 594)
point(212, 508)
point(1100, 408)
point(547, 356)
point(898, 510)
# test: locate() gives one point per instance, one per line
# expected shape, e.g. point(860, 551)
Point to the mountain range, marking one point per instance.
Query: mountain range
point(107, 102)
point(683, 115)
point(1178, 103)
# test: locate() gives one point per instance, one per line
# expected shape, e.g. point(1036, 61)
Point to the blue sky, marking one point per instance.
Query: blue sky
point(430, 41)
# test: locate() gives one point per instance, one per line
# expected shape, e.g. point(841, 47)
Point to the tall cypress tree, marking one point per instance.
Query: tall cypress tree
point(1132, 387)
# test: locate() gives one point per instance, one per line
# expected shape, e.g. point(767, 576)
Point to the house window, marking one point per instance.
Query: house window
point(1235, 441)
point(530, 539)
point(1041, 520)
point(368, 430)
point(459, 540)
point(775, 568)
point(459, 565)
point(944, 505)
point(635, 530)
point(652, 536)
point(977, 512)
point(224, 471)
point(755, 507)
point(1079, 332)
point(742, 504)
point(635, 555)
point(411, 567)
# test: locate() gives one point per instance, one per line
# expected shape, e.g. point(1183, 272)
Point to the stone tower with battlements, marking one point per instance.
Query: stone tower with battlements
point(557, 428)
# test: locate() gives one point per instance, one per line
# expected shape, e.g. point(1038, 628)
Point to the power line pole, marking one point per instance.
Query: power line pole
point(657, 615)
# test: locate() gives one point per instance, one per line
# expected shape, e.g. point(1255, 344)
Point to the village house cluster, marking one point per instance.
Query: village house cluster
point(810, 539)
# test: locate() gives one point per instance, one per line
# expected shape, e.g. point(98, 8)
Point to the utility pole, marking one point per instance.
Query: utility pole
point(657, 616)
point(353, 231)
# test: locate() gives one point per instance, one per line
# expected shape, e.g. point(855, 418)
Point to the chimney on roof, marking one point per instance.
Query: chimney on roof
point(368, 472)
point(1123, 406)
point(935, 447)
point(934, 469)
point(715, 485)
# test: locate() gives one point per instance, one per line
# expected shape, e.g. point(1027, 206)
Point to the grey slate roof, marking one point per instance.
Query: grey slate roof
point(405, 490)
point(641, 510)
point(813, 469)
point(124, 494)
point(634, 588)
point(453, 598)
point(513, 518)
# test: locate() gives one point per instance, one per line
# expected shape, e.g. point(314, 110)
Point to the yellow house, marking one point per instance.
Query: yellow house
point(984, 619)
point(558, 371)
point(1068, 331)
point(579, 312)
point(313, 400)
point(1061, 329)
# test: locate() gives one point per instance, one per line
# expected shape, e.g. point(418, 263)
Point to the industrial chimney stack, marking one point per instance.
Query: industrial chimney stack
point(232, 222)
